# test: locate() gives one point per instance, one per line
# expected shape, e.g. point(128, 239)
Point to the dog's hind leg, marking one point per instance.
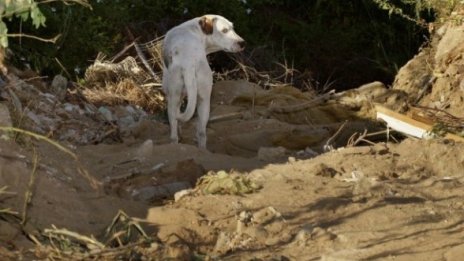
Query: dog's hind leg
point(205, 84)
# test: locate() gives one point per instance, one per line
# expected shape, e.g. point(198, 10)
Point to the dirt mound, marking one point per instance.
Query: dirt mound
point(434, 78)
point(338, 206)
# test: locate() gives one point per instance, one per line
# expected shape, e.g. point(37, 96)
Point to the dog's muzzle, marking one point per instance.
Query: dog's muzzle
point(241, 45)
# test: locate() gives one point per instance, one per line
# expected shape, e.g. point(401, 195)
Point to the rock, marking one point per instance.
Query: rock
point(380, 148)
point(89, 108)
point(324, 171)
point(177, 251)
point(355, 150)
point(70, 107)
point(223, 243)
point(151, 193)
point(5, 118)
point(126, 124)
point(272, 154)
point(257, 232)
point(322, 234)
point(32, 116)
point(307, 153)
point(265, 215)
point(106, 113)
point(302, 237)
point(145, 150)
point(59, 87)
point(130, 110)
point(244, 218)
point(181, 194)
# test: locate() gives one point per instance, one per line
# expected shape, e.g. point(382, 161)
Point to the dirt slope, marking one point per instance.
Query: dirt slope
point(388, 201)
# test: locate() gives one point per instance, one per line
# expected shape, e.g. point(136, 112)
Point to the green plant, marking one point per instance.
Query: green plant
point(25, 9)
point(442, 8)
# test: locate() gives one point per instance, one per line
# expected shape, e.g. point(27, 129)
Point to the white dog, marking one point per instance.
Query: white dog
point(186, 69)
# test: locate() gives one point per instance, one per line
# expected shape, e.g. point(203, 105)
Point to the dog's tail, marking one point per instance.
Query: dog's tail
point(190, 85)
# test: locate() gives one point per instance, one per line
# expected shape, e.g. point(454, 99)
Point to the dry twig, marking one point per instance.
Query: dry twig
point(303, 106)
point(328, 144)
point(359, 137)
point(28, 195)
point(88, 241)
point(3, 191)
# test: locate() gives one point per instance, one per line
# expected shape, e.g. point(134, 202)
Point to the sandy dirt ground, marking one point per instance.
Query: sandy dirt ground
point(388, 201)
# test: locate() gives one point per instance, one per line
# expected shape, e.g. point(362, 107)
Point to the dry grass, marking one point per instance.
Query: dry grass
point(154, 48)
point(125, 82)
point(124, 239)
point(126, 91)
point(130, 82)
point(7, 211)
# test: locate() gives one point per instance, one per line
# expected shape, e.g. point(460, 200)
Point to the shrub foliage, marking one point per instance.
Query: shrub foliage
point(350, 42)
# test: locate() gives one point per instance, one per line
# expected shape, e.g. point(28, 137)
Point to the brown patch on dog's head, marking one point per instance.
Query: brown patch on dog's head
point(206, 24)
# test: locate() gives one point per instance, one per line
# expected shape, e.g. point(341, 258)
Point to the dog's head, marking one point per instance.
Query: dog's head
point(220, 34)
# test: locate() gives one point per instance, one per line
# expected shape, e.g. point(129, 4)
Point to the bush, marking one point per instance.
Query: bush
point(351, 42)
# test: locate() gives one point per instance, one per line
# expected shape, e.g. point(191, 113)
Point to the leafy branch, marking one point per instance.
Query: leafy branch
point(25, 9)
point(442, 7)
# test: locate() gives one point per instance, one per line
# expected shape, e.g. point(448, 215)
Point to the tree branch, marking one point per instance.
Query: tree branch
point(50, 40)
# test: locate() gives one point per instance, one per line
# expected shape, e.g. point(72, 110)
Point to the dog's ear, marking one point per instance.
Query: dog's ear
point(206, 24)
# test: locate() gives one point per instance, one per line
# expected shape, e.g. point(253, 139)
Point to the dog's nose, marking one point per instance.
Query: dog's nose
point(242, 44)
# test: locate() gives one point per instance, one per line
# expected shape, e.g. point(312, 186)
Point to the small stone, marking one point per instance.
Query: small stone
point(380, 148)
point(126, 123)
point(223, 243)
point(324, 171)
point(264, 215)
point(271, 241)
point(256, 232)
point(178, 251)
point(355, 150)
point(106, 113)
point(70, 107)
point(269, 154)
point(302, 237)
point(130, 110)
point(145, 150)
point(150, 193)
point(322, 234)
point(307, 153)
point(181, 194)
point(59, 87)
point(32, 116)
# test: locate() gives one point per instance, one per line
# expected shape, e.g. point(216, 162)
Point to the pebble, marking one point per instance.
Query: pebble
point(145, 150)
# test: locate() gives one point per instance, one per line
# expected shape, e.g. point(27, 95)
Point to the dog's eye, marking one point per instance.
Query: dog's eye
point(225, 30)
